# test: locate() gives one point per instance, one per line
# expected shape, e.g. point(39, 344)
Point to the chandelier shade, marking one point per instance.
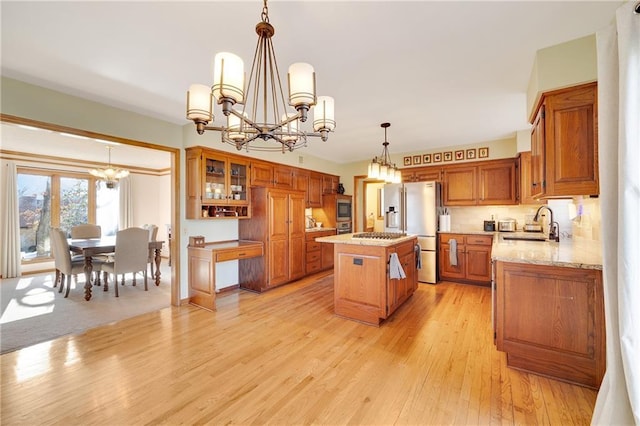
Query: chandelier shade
point(199, 103)
point(381, 168)
point(256, 108)
point(110, 175)
point(228, 77)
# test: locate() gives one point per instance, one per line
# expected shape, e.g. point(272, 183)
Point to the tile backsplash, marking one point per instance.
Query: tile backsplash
point(577, 218)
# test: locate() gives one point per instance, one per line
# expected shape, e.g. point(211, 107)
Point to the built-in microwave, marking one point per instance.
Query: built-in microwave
point(343, 208)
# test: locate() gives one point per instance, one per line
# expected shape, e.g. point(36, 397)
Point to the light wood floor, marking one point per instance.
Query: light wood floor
point(283, 358)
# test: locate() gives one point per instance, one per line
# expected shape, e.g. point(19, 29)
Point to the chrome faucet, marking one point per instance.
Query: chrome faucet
point(554, 227)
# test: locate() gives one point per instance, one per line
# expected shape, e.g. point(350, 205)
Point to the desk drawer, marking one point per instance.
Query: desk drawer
point(239, 253)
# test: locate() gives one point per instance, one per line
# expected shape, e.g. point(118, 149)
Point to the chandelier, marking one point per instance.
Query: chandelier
point(382, 168)
point(264, 115)
point(110, 175)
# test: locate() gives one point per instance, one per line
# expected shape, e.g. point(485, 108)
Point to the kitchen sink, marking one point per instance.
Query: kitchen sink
point(525, 237)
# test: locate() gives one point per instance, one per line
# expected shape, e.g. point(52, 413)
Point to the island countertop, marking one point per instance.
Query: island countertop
point(349, 239)
point(568, 253)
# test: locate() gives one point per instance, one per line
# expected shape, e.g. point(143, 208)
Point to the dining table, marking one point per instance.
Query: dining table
point(95, 246)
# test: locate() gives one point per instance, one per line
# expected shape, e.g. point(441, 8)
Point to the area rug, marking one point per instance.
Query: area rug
point(33, 311)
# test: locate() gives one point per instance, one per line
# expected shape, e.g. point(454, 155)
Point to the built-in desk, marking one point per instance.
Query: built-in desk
point(202, 267)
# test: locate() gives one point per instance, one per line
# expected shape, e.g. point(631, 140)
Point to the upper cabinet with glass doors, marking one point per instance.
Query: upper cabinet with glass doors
point(217, 185)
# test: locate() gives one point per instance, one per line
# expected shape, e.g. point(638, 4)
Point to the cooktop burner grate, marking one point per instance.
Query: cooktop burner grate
point(380, 235)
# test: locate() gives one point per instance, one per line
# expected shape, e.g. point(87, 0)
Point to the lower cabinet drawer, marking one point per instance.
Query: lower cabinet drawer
point(313, 266)
point(484, 240)
point(313, 256)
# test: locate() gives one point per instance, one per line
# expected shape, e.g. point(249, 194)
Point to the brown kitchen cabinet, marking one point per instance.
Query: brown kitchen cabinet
point(319, 256)
point(473, 258)
point(330, 184)
point(497, 182)
point(421, 174)
point(261, 173)
point(283, 177)
point(217, 185)
point(314, 194)
point(278, 221)
point(459, 185)
point(480, 183)
point(550, 321)
point(564, 143)
point(524, 166)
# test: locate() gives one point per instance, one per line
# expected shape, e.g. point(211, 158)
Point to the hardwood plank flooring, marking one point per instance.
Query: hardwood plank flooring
point(282, 357)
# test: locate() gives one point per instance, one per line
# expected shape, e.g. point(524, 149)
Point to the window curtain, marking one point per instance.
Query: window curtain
point(618, 45)
point(10, 265)
point(126, 203)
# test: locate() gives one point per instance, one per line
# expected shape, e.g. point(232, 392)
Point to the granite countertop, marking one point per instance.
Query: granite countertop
point(348, 239)
point(316, 229)
point(473, 230)
point(568, 253)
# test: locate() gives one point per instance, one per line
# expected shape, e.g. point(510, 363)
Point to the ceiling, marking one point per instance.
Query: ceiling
point(442, 73)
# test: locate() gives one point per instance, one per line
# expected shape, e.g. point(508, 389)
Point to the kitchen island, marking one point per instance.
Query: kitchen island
point(548, 311)
point(365, 286)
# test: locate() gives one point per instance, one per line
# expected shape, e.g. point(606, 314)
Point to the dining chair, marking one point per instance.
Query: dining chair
point(131, 255)
point(86, 230)
point(53, 242)
point(66, 266)
point(153, 234)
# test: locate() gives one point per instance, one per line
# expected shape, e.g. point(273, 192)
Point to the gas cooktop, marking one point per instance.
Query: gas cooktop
point(380, 235)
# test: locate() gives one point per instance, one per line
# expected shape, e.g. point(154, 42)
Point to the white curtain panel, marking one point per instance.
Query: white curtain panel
point(10, 265)
point(126, 204)
point(618, 45)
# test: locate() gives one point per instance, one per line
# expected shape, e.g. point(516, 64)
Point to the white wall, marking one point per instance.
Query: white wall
point(562, 65)
point(152, 204)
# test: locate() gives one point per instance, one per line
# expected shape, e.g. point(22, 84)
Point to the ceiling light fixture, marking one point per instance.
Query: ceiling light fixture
point(382, 168)
point(110, 175)
point(264, 95)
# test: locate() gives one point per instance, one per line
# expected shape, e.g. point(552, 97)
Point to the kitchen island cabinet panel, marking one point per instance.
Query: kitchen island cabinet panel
point(363, 288)
point(364, 269)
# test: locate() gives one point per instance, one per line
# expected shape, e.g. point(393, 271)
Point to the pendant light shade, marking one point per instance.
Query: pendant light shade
point(381, 168)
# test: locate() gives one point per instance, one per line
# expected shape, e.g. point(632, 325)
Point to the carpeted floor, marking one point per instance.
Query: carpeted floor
point(33, 311)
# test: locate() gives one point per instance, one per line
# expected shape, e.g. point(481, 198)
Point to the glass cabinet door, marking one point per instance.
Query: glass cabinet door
point(215, 180)
point(238, 181)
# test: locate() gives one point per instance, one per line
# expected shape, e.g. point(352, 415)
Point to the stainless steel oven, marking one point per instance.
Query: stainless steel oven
point(343, 208)
point(344, 227)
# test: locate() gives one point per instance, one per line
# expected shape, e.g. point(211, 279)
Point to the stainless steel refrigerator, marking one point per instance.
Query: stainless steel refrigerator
point(413, 208)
